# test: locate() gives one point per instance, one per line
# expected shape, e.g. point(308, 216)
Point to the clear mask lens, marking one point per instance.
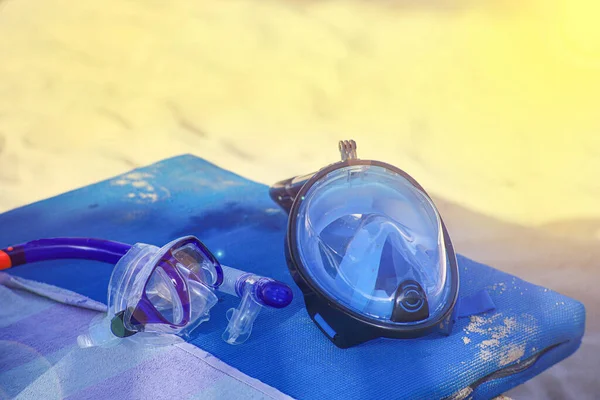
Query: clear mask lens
point(162, 294)
point(198, 265)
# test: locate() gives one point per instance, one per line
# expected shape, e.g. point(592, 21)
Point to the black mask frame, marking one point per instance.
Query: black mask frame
point(341, 325)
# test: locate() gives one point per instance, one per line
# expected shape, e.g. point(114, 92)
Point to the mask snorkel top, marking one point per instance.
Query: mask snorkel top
point(155, 293)
point(369, 250)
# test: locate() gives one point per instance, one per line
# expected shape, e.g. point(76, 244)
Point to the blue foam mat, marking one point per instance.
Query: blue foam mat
point(239, 223)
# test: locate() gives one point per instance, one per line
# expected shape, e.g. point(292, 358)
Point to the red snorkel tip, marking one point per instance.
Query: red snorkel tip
point(5, 261)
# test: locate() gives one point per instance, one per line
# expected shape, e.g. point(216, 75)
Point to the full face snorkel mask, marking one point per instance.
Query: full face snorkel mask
point(369, 250)
point(157, 295)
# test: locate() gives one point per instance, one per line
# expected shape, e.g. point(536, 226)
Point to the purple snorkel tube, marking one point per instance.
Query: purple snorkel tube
point(166, 290)
point(63, 248)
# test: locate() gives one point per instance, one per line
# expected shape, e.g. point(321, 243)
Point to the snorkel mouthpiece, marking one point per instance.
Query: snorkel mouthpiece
point(256, 292)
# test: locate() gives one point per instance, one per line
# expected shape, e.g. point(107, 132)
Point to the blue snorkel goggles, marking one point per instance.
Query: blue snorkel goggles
point(369, 250)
